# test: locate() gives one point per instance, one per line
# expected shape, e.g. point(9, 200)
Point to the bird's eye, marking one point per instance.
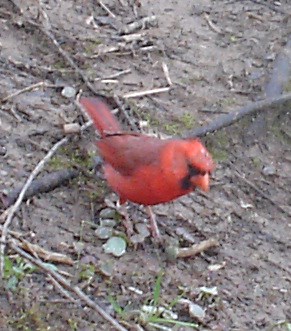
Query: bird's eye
point(194, 171)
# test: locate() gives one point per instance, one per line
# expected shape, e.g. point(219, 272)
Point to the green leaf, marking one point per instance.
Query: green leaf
point(8, 268)
point(118, 309)
point(157, 289)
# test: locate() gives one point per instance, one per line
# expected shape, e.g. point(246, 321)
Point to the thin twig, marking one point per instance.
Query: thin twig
point(226, 120)
point(44, 254)
point(166, 73)
point(60, 288)
point(109, 12)
point(125, 114)
point(138, 94)
point(118, 74)
point(212, 26)
point(65, 284)
point(26, 89)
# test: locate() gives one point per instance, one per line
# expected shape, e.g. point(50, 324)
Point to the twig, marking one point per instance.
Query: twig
point(59, 287)
point(197, 248)
point(26, 89)
point(140, 24)
point(144, 93)
point(118, 74)
point(64, 283)
point(254, 187)
point(226, 120)
point(109, 12)
point(125, 114)
point(44, 254)
point(166, 73)
point(212, 26)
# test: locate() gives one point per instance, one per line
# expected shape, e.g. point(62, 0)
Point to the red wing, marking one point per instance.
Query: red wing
point(128, 152)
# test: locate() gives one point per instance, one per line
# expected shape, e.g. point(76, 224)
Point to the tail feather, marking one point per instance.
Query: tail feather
point(103, 119)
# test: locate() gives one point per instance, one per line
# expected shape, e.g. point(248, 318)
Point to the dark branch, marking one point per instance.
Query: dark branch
point(45, 184)
point(230, 118)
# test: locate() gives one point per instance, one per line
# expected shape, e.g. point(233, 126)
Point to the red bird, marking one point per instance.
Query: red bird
point(147, 170)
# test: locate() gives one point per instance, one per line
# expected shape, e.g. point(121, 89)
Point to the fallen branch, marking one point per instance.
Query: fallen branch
point(45, 184)
point(226, 120)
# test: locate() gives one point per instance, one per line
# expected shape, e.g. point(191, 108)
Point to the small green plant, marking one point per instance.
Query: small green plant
point(153, 313)
point(15, 271)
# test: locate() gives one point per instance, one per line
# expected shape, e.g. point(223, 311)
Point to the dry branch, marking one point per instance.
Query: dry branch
point(42, 185)
point(227, 119)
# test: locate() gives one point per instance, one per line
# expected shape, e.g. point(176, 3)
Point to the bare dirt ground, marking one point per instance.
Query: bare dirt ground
point(220, 55)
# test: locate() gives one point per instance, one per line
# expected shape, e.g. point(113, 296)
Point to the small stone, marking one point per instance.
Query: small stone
point(107, 213)
point(103, 232)
point(137, 239)
point(107, 268)
point(108, 222)
point(3, 151)
point(269, 170)
point(195, 310)
point(69, 92)
point(142, 229)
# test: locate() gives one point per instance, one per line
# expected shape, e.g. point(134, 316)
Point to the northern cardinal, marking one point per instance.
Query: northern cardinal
point(144, 169)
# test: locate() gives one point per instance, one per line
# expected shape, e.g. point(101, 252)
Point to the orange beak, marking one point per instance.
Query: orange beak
point(202, 182)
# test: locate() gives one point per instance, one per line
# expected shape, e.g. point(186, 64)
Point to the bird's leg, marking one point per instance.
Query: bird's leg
point(154, 226)
point(125, 219)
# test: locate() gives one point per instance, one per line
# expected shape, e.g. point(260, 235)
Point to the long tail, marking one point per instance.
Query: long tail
point(103, 119)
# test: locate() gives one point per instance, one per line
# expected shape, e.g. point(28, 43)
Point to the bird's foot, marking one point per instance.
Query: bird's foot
point(153, 225)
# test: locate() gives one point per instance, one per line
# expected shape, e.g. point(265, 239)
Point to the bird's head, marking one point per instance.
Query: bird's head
point(200, 166)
